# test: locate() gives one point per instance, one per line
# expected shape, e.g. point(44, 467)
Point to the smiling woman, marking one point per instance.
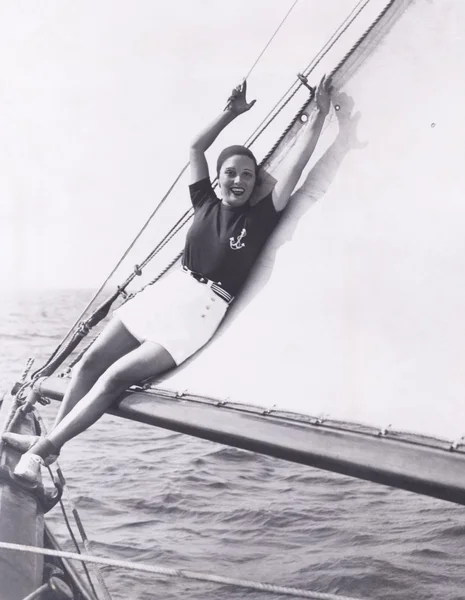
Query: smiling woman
point(237, 175)
point(166, 324)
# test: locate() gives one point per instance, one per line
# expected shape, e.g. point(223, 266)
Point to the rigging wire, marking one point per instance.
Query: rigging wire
point(64, 484)
point(162, 201)
point(271, 39)
point(290, 93)
point(355, 12)
point(329, 44)
point(131, 245)
point(180, 573)
point(284, 100)
point(177, 572)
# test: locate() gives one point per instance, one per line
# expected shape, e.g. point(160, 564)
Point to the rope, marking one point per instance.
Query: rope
point(162, 201)
point(168, 237)
point(271, 39)
point(62, 351)
point(293, 89)
point(181, 573)
point(259, 130)
point(75, 542)
point(85, 540)
point(38, 593)
point(165, 270)
point(270, 117)
point(181, 173)
point(126, 252)
point(75, 360)
point(97, 571)
point(279, 106)
point(361, 39)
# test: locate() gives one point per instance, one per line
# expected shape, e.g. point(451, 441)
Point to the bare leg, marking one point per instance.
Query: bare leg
point(148, 360)
point(114, 342)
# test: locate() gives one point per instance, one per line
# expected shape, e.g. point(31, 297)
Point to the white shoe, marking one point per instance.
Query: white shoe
point(28, 467)
point(23, 443)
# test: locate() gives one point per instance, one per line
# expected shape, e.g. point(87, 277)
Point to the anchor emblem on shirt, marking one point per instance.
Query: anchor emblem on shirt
point(238, 244)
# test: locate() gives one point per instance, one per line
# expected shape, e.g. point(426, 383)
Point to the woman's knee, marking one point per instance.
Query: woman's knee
point(114, 342)
point(115, 381)
point(91, 365)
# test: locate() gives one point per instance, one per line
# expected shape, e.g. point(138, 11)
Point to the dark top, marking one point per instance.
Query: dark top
point(224, 241)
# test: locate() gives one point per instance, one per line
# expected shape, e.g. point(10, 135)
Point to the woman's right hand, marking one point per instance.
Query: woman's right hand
point(323, 95)
point(237, 103)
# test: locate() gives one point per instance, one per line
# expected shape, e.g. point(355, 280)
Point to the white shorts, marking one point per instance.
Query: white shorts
point(178, 312)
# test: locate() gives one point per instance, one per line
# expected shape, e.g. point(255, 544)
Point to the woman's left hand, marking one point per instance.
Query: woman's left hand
point(323, 95)
point(237, 102)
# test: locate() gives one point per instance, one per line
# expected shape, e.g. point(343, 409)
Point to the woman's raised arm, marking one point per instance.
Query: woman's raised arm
point(300, 153)
point(237, 104)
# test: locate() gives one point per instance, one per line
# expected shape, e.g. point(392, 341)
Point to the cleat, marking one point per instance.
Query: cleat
point(28, 467)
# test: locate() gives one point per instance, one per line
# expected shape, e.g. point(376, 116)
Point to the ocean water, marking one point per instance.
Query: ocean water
point(167, 499)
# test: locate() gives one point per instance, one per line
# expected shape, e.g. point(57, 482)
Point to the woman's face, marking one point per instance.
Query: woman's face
point(236, 180)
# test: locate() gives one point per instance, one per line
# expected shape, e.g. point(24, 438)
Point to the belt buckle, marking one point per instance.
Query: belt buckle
point(199, 277)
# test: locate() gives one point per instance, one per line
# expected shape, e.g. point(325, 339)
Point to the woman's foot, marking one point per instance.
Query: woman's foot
point(23, 443)
point(28, 467)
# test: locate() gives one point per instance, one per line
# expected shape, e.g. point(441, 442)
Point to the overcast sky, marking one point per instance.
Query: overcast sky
point(98, 101)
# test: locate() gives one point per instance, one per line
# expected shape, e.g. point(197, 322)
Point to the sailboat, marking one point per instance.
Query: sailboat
point(348, 337)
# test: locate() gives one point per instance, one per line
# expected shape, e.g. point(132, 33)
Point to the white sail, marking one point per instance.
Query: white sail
point(357, 308)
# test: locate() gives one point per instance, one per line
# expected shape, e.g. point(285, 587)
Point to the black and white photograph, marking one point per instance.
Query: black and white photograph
point(232, 300)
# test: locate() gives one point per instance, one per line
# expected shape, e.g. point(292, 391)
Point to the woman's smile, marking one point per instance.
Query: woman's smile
point(237, 180)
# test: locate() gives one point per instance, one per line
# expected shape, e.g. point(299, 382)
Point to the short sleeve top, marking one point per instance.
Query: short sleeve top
point(224, 241)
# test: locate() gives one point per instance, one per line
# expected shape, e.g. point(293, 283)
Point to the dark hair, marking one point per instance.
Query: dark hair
point(235, 151)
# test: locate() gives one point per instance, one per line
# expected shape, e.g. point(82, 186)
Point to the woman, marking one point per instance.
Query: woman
point(165, 324)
